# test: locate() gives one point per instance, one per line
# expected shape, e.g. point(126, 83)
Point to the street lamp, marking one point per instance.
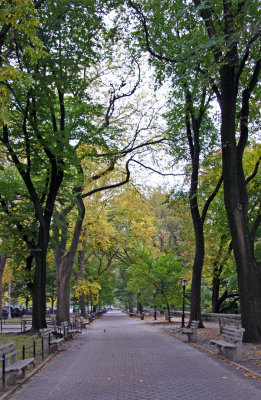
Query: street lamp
point(154, 291)
point(184, 282)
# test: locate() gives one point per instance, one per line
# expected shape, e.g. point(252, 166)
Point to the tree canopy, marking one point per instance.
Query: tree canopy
point(89, 91)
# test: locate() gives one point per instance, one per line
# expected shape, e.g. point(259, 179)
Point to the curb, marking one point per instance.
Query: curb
point(35, 371)
point(15, 387)
point(251, 373)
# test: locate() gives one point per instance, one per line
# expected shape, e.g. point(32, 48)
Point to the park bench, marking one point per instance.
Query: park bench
point(230, 346)
point(67, 331)
point(226, 321)
point(50, 343)
point(84, 323)
point(51, 323)
point(11, 367)
point(192, 331)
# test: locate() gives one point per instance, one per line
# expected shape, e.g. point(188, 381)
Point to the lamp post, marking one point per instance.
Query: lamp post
point(9, 293)
point(184, 282)
point(155, 307)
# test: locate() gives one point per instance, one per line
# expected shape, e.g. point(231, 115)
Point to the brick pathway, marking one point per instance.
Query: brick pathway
point(119, 358)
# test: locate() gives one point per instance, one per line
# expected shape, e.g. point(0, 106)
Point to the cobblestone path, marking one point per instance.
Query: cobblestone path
point(119, 358)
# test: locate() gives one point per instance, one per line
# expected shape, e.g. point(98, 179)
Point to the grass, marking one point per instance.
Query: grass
point(20, 339)
point(27, 340)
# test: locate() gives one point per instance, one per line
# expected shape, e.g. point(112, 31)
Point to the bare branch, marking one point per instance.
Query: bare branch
point(128, 151)
point(154, 170)
point(246, 55)
point(115, 185)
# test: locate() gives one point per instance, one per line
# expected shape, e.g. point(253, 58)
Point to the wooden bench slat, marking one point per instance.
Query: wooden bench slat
point(20, 364)
point(13, 367)
point(50, 340)
point(65, 329)
point(6, 345)
point(230, 345)
point(223, 343)
point(191, 332)
point(11, 354)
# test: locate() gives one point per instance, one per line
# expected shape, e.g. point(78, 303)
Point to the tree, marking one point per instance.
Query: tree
point(219, 244)
point(89, 289)
point(235, 55)
point(221, 41)
point(161, 273)
point(114, 224)
point(38, 136)
point(2, 268)
point(188, 117)
point(17, 18)
point(102, 165)
point(168, 220)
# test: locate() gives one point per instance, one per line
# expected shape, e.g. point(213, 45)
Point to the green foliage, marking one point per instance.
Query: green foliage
point(163, 274)
point(18, 23)
point(206, 294)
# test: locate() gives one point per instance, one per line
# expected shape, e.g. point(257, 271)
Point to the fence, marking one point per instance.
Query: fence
point(210, 317)
point(35, 350)
point(14, 325)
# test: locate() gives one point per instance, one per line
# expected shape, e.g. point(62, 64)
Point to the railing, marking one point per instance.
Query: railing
point(7, 324)
point(34, 353)
point(76, 324)
point(36, 349)
point(3, 372)
point(210, 317)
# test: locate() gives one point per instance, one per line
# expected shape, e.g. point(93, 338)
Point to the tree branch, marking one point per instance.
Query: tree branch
point(211, 197)
point(153, 170)
point(255, 226)
point(244, 113)
point(142, 19)
point(246, 55)
point(111, 186)
point(254, 172)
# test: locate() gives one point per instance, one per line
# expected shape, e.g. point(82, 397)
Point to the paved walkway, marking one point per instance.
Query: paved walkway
point(119, 358)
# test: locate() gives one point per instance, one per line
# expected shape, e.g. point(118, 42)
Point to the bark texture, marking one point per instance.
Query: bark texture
point(2, 268)
point(64, 264)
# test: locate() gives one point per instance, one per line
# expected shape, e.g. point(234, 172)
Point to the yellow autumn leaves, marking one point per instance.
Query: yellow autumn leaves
point(89, 289)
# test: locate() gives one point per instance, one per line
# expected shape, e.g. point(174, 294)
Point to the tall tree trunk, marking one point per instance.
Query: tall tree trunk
point(231, 69)
point(64, 267)
point(169, 316)
point(82, 306)
point(139, 307)
point(81, 262)
point(39, 296)
point(194, 145)
point(217, 269)
point(2, 268)
point(236, 203)
point(215, 289)
point(193, 121)
point(218, 265)
point(195, 306)
point(64, 271)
